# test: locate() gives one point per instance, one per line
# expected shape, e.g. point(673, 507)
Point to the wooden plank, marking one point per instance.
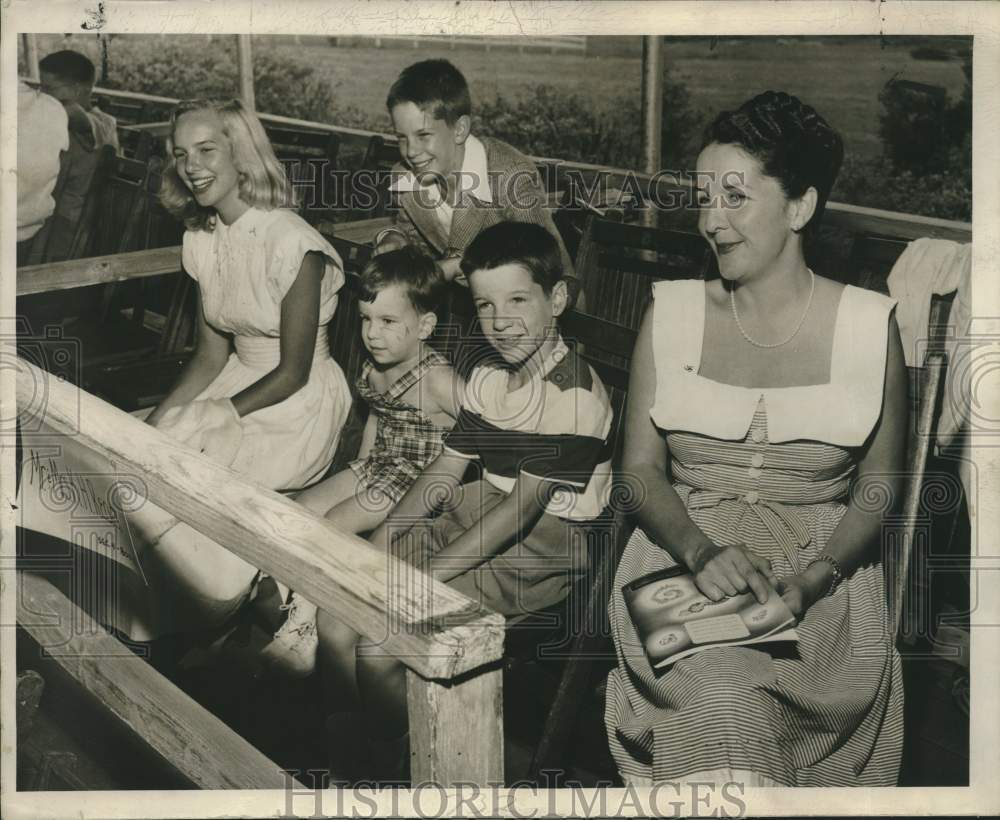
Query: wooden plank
point(592, 331)
point(892, 224)
point(664, 268)
point(189, 737)
point(359, 232)
point(925, 413)
point(853, 218)
point(441, 632)
point(97, 270)
point(456, 729)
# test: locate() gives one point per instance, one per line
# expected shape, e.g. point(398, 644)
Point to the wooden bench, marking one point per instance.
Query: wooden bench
point(448, 644)
point(608, 347)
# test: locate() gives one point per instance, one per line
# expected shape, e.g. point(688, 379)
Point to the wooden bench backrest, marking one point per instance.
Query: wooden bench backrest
point(617, 264)
point(126, 112)
point(137, 144)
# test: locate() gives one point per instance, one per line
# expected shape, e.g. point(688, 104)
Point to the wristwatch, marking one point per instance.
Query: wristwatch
point(838, 573)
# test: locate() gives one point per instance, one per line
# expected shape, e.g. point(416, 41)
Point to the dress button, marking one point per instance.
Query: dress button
point(753, 472)
point(757, 460)
point(757, 436)
point(752, 497)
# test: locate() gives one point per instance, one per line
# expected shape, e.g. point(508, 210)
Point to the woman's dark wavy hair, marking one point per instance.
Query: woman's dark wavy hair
point(791, 141)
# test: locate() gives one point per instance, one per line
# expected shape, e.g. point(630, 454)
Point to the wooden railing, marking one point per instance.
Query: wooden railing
point(450, 647)
point(854, 219)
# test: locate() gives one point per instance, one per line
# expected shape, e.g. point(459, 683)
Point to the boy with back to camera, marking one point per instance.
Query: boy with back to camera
point(452, 184)
point(69, 77)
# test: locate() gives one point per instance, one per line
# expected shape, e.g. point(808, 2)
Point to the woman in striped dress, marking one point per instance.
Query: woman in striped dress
point(766, 411)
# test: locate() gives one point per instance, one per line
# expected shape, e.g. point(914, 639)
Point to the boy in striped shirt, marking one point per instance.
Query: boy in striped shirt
point(537, 420)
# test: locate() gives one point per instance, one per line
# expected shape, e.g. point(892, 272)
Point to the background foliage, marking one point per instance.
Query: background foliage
point(909, 152)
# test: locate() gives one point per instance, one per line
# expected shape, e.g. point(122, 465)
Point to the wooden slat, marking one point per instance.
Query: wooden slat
point(359, 232)
point(97, 270)
point(609, 232)
point(665, 268)
point(892, 224)
point(594, 332)
point(897, 567)
point(185, 734)
point(456, 730)
point(853, 218)
point(341, 573)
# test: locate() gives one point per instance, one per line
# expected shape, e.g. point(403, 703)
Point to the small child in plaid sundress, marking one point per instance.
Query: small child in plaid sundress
point(412, 394)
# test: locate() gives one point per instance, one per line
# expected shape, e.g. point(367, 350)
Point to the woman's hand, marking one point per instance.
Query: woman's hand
point(801, 591)
point(724, 571)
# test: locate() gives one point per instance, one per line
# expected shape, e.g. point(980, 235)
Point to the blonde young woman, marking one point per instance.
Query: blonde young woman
point(261, 394)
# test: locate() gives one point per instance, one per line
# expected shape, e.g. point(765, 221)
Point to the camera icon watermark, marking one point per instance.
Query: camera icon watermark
point(38, 359)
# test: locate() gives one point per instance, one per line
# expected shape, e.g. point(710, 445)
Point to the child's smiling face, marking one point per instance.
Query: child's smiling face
point(391, 327)
point(429, 146)
point(204, 162)
point(515, 313)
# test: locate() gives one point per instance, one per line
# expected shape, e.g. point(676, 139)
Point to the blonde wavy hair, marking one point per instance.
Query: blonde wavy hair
point(262, 180)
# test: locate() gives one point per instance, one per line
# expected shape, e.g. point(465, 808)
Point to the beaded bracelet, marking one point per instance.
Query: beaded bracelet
point(838, 573)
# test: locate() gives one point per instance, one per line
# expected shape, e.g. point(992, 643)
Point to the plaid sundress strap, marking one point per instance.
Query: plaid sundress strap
point(399, 387)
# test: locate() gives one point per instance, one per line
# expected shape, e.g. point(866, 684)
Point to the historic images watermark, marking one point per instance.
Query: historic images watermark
point(321, 186)
point(549, 798)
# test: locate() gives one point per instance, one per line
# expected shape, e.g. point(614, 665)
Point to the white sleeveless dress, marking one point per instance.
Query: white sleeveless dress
point(771, 468)
point(244, 270)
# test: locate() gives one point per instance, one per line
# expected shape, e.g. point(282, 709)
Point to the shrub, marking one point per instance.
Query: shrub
point(282, 85)
point(912, 126)
point(874, 184)
point(550, 123)
point(927, 149)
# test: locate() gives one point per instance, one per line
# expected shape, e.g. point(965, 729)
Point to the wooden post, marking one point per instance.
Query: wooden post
point(244, 54)
point(456, 728)
point(652, 112)
point(30, 42)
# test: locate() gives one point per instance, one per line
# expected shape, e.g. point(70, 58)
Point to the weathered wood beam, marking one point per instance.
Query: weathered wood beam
point(437, 631)
point(456, 729)
point(858, 220)
point(97, 270)
point(184, 733)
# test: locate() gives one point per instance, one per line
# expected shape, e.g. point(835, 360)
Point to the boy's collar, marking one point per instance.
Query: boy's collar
point(475, 173)
point(554, 357)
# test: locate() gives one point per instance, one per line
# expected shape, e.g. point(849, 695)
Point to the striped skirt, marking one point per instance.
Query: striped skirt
point(827, 711)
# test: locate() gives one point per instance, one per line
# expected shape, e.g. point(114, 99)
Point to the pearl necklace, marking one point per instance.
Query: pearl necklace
point(798, 326)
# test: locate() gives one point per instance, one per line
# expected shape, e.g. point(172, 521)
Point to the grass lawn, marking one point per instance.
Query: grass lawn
point(840, 76)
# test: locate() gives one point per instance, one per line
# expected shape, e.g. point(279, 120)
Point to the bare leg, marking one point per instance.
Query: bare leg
point(338, 664)
point(329, 493)
point(382, 681)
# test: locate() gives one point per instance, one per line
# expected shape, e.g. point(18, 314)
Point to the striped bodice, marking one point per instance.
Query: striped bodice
point(797, 472)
